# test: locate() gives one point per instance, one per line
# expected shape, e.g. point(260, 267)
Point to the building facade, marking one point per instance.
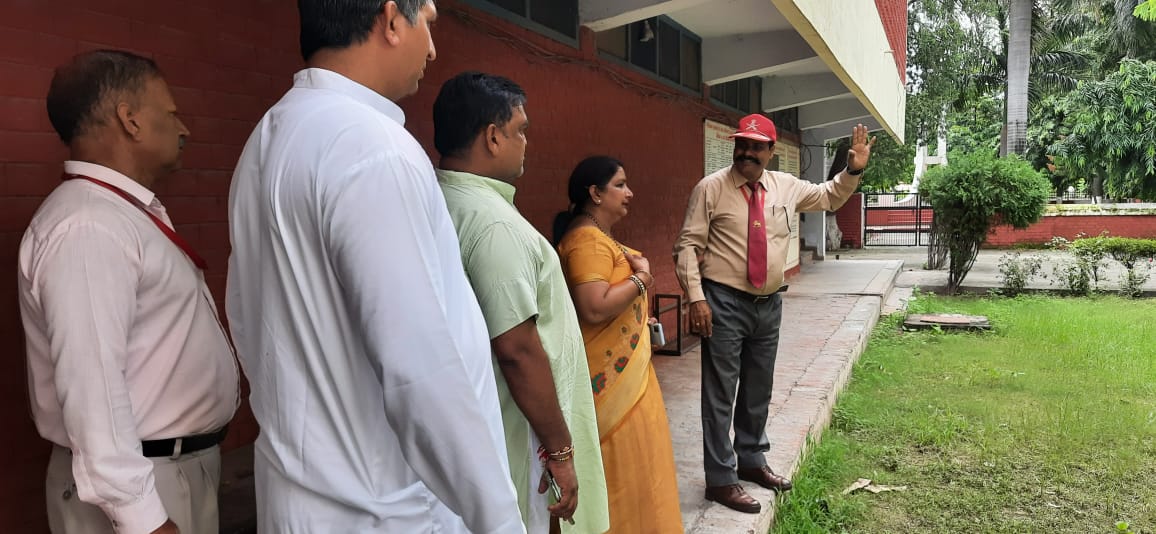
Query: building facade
point(647, 81)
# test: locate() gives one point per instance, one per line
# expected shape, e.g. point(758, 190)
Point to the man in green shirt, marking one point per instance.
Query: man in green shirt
point(543, 384)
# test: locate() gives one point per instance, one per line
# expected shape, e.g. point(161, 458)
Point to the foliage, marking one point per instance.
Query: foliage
point(1136, 255)
point(1113, 133)
point(1107, 30)
point(1146, 10)
point(1074, 276)
point(892, 163)
point(944, 42)
point(976, 128)
point(1081, 274)
point(1057, 60)
point(1050, 123)
point(974, 194)
point(1016, 270)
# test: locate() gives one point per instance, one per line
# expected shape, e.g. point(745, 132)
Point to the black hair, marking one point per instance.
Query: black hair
point(80, 88)
point(467, 104)
point(592, 171)
point(343, 23)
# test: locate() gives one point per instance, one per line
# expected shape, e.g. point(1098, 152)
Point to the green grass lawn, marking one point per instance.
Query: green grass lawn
point(1045, 424)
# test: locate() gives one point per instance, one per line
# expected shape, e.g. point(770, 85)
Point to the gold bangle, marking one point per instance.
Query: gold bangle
point(638, 282)
point(563, 455)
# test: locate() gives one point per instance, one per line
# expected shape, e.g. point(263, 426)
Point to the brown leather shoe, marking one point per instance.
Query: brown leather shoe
point(733, 497)
point(766, 478)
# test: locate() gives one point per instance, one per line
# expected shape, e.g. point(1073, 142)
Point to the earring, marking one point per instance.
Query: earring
point(597, 201)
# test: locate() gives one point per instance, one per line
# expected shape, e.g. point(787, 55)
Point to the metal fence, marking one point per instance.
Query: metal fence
point(896, 219)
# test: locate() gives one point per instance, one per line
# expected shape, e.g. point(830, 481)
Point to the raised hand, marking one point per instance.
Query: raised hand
point(860, 150)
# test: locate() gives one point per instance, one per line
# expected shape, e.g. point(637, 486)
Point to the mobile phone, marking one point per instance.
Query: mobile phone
point(657, 337)
point(556, 491)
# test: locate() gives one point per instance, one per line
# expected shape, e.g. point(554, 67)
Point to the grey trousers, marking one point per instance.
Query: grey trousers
point(187, 487)
point(738, 367)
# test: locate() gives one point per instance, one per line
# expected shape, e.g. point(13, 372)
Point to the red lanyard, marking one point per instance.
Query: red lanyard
point(164, 228)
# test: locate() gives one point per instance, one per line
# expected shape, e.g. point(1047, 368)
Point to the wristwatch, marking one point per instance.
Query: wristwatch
point(855, 173)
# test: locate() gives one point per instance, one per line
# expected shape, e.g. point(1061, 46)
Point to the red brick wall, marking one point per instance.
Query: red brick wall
point(580, 106)
point(850, 220)
point(894, 16)
point(1069, 225)
point(227, 62)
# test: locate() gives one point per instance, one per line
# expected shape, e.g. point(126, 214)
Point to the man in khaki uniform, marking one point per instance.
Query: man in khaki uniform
point(729, 259)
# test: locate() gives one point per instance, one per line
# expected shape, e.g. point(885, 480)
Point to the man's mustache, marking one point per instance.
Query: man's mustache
point(746, 158)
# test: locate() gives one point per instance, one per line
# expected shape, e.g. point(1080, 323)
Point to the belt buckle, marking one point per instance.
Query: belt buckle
point(177, 448)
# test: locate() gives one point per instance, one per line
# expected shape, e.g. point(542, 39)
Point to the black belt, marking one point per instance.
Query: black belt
point(167, 448)
point(751, 297)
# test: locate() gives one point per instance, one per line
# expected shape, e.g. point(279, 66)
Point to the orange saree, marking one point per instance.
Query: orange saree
point(632, 425)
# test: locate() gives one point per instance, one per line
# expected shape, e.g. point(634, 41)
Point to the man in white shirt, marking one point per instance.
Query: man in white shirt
point(365, 348)
point(130, 372)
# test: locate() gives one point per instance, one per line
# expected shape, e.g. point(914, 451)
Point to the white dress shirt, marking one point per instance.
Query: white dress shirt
point(365, 347)
point(123, 340)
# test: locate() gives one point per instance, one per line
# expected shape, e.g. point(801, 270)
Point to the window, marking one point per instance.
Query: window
point(643, 45)
point(786, 120)
point(657, 45)
point(744, 95)
point(614, 42)
point(560, 16)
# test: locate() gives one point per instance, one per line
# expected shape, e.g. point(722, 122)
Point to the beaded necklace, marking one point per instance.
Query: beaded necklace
point(607, 234)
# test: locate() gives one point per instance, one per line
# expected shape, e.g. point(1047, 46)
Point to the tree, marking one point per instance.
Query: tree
point(974, 194)
point(944, 42)
point(1058, 60)
point(1108, 30)
point(1050, 122)
point(891, 163)
point(1112, 131)
point(977, 127)
point(1146, 11)
point(1018, 68)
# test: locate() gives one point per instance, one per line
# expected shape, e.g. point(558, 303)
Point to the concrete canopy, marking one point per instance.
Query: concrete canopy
point(830, 59)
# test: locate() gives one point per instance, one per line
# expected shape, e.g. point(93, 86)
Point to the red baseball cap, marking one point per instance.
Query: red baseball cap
point(756, 127)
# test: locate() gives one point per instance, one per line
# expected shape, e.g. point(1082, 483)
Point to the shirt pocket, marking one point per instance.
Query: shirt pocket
point(778, 218)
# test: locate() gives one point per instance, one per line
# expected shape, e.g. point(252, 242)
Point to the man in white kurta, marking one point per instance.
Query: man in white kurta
point(365, 348)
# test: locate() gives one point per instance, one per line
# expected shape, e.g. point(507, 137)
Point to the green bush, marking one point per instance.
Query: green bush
point(1016, 270)
point(1136, 255)
point(972, 195)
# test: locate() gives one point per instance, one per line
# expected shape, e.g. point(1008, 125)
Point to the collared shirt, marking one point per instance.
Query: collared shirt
point(123, 340)
point(715, 226)
point(364, 346)
point(516, 275)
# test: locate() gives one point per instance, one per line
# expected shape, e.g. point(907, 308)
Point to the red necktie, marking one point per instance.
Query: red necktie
point(756, 238)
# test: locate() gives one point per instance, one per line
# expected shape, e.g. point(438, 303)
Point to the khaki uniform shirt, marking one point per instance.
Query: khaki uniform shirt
point(715, 227)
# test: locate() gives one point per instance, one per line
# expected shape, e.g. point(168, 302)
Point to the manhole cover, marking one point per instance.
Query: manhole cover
point(946, 321)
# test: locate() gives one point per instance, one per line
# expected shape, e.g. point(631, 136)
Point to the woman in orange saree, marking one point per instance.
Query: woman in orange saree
point(609, 282)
